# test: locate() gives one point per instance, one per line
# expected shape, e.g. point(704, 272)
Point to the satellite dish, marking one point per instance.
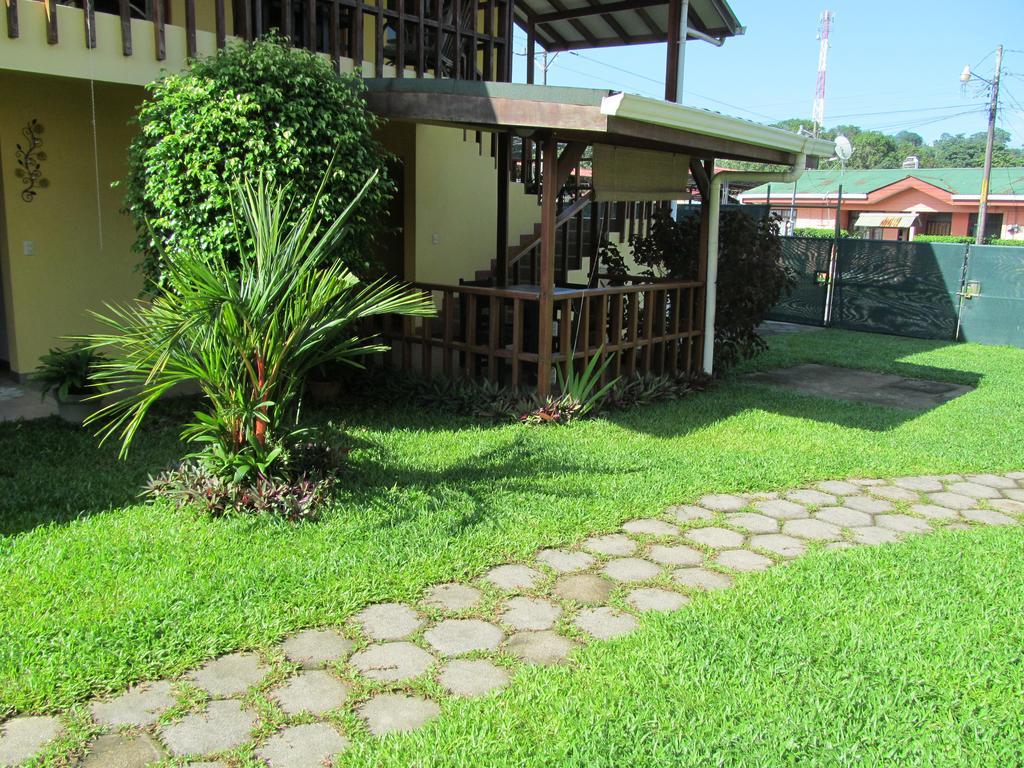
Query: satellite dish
point(844, 149)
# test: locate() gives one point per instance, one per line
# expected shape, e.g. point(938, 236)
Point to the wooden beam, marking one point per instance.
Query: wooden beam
point(546, 294)
point(12, 18)
point(578, 25)
point(52, 35)
point(247, 21)
point(89, 14)
point(675, 10)
point(610, 42)
point(700, 177)
point(159, 31)
point(286, 19)
point(645, 17)
point(593, 9)
point(126, 27)
point(567, 162)
point(190, 28)
point(501, 241)
point(531, 53)
point(609, 19)
point(220, 23)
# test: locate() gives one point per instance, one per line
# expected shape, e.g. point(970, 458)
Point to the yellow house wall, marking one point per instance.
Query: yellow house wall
point(82, 244)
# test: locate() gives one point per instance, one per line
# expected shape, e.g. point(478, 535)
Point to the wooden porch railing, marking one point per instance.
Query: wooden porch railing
point(493, 333)
point(463, 39)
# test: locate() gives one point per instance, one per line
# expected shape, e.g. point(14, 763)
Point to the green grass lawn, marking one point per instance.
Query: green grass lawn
point(98, 591)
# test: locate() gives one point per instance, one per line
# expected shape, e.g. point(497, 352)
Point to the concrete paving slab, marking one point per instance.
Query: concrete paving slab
point(654, 599)
point(716, 538)
point(752, 522)
point(922, 483)
point(650, 527)
point(530, 613)
point(684, 513)
point(122, 751)
point(701, 578)
point(392, 662)
point(743, 560)
point(388, 621)
point(874, 534)
point(140, 705)
point(1009, 506)
point(315, 648)
point(24, 737)
point(988, 517)
point(780, 509)
point(605, 623)
point(302, 746)
point(838, 487)
point(454, 637)
point(894, 493)
point(723, 502)
point(811, 497)
point(613, 545)
point(975, 490)
point(513, 578)
point(452, 597)
point(858, 386)
point(229, 675)
point(472, 677)
point(934, 512)
point(583, 588)
point(843, 517)
point(565, 561)
point(397, 713)
point(868, 504)
point(953, 500)
point(631, 569)
point(675, 554)
point(543, 648)
point(224, 724)
point(778, 544)
point(993, 481)
point(815, 530)
point(902, 523)
point(315, 691)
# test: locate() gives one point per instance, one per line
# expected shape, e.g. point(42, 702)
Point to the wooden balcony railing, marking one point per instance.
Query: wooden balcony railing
point(493, 333)
point(463, 39)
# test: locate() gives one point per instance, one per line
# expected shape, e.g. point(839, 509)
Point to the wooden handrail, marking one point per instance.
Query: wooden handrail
point(563, 218)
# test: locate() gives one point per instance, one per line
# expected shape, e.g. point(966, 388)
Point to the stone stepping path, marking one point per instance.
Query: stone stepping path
point(393, 666)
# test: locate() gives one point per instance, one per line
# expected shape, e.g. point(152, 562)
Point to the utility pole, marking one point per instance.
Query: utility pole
point(992, 107)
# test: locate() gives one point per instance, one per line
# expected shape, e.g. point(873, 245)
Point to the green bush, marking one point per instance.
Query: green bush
point(965, 239)
point(253, 109)
point(751, 276)
point(820, 234)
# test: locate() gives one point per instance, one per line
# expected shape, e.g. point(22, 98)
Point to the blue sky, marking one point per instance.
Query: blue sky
point(892, 65)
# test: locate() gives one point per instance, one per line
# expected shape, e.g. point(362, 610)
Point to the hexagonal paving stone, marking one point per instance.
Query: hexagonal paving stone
point(923, 484)
point(894, 493)
point(723, 502)
point(396, 713)
point(675, 554)
point(314, 691)
point(544, 648)
point(993, 481)
point(653, 599)
point(975, 490)
point(843, 517)
point(316, 648)
point(743, 560)
point(223, 725)
point(701, 578)
point(868, 504)
point(229, 675)
point(631, 569)
point(957, 526)
point(650, 527)
point(388, 621)
point(564, 561)
point(953, 500)
point(530, 613)
point(808, 496)
point(614, 545)
point(988, 517)
point(141, 705)
point(866, 481)
point(816, 530)
point(454, 637)
point(392, 662)
point(753, 522)
point(1015, 494)
point(840, 545)
point(873, 534)
point(779, 544)
point(604, 623)
point(934, 512)
point(684, 513)
point(23, 737)
point(1015, 475)
point(902, 523)
point(452, 597)
point(1009, 506)
point(838, 487)
point(780, 509)
point(584, 588)
point(716, 538)
point(514, 577)
point(472, 677)
point(122, 751)
point(302, 746)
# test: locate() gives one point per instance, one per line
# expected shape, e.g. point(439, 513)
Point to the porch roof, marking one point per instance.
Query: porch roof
point(563, 25)
point(587, 115)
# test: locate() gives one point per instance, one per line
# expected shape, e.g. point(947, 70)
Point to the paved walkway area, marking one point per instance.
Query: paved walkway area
point(394, 665)
point(21, 401)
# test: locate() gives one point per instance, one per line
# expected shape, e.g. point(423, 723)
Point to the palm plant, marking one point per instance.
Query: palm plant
point(247, 334)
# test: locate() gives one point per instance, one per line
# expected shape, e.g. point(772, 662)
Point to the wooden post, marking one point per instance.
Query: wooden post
point(531, 53)
point(12, 18)
point(52, 36)
point(546, 297)
point(190, 28)
point(501, 243)
point(126, 28)
point(672, 57)
point(220, 23)
point(159, 31)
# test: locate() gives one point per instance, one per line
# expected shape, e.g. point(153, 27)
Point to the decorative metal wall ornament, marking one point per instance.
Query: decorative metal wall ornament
point(29, 158)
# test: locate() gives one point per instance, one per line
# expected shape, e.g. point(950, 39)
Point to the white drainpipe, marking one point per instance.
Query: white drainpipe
point(715, 200)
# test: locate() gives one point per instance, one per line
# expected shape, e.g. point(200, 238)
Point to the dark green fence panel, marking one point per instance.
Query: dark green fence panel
point(806, 257)
point(996, 314)
point(903, 288)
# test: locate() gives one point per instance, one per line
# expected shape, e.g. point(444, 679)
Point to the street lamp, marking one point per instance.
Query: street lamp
point(965, 77)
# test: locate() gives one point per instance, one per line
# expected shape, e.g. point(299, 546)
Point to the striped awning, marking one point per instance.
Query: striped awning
point(886, 220)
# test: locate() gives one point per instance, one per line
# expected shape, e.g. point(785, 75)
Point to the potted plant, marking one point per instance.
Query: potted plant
point(67, 374)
